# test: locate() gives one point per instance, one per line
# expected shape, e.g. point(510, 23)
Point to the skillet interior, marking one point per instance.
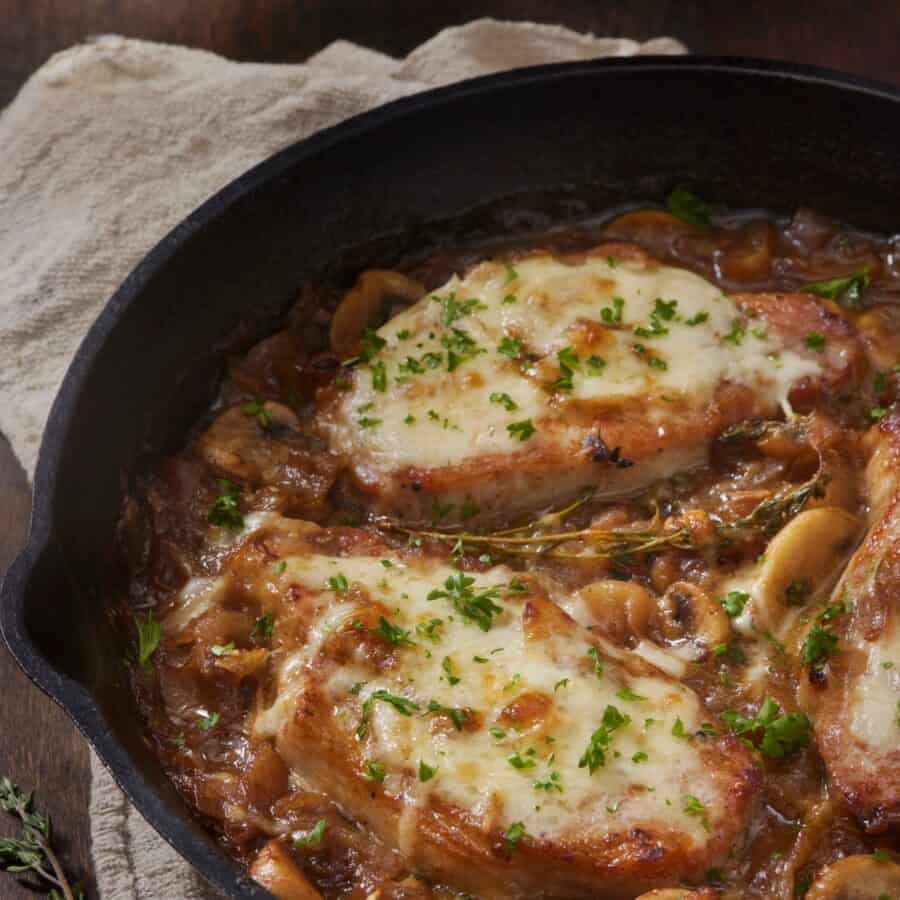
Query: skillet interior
point(516, 151)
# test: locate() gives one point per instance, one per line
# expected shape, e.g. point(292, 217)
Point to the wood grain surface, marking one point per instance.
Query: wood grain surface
point(39, 747)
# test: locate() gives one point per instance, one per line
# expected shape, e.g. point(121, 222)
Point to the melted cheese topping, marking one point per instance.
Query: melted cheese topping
point(502, 776)
point(431, 405)
point(874, 701)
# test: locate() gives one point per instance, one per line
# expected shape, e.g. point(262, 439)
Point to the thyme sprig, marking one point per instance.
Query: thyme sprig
point(541, 537)
point(32, 850)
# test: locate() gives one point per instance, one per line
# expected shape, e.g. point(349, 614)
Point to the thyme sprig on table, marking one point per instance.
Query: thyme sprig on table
point(548, 537)
point(32, 850)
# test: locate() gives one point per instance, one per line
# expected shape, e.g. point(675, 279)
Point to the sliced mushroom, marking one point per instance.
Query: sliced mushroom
point(619, 610)
point(365, 306)
point(274, 869)
point(803, 559)
point(687, 612)
point(261, 445)
point(857, 878)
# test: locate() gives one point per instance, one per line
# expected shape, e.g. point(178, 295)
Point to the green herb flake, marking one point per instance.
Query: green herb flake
point(256, 409)
point(475, 606)
point(222, 649)
point(595, 660)
point(522, 430)
point(374, 771)
point(513, 835)
point(687, 206)
point(426, 772)
point(337, 583)
point(734, 602)
point(737, 334)
point(510, 347)
point(312, 838)
point(224, 512)
point(517, 761)
point(149, 633)
point(393, 634)
point(449, 674)
point(505, 401)
point(403, 705)
point(639, 757)
point(815, 341)
point(629, 695)
point(818, 645)
point(846, 290)
point(697, 319)
point(595, 755)
point(613, 315)
point(205, 723)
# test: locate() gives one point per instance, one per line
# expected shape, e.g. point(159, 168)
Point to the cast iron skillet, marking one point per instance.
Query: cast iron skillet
point(560, 140)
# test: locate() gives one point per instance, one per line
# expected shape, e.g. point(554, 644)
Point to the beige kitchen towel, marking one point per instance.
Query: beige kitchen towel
point(105, 149)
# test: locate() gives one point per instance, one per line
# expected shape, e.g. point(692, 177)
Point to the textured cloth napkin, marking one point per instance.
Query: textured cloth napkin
point(109, 146)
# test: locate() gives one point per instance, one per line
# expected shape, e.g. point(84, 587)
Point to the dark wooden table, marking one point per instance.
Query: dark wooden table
point(38, 745)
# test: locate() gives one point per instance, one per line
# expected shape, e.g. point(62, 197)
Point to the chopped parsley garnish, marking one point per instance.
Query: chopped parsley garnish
point(513, 835)
point(678, 729)
point(612, 315)
point(815, 341)
point(426, 772)
point(429, 630)
point(629, 695)
point(656, 363)
point(222, 649)
point(393, 634)
point(693, 807)
point(511, 275)
point(263, 628)
point(873, 414)
point(379, 377)
point(510, 347)
point(595, 364)
point(508, 299)
point(337, 583)
point(224, 512)
point(440, 511)
point(639, 757)
point(687, 206)
point(569, 364)
point(368, 422)
point(149, 634)
point(403, 334)
point(372, 345)
point(611, 261)
point(257, 410)
point(205, 723)
point(551, 784)
point(311, 838)
point(517, 761)
point(403, 705)
point(449, 674)
point(496, 732)
point(560, 684)
point(505, 401)
point(595, 755)
point(521, 430)
point(460, 347)
point(451, 309)
point(477, 607)
point(697, 318)
point(279, 567)
point(780, 735)
point(410, 366)
point(737, 334)
point(663, 311)
point(374, 770)
point(457, 715)
point(847, 290)
point(819, 644)
point(595, 660)
point(734, 602)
